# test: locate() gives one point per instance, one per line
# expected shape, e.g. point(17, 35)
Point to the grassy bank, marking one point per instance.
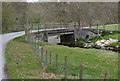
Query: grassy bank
point(22, 62)
point(106, 36)
point(108, 27)
point(95, 61)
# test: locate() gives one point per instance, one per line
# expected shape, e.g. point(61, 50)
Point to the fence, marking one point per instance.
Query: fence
point(72, 26)
point(62, 65)
point(39, 26)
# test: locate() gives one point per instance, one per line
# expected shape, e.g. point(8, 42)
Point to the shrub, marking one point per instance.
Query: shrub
point(114, 44)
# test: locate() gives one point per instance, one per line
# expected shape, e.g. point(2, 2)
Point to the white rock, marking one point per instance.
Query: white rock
point(110, 39)
point(102, 41)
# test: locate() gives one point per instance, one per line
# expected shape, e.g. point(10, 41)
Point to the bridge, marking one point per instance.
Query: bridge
point(68, 35)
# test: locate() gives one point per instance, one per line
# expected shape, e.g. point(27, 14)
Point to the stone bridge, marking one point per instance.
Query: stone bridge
point(68, 35)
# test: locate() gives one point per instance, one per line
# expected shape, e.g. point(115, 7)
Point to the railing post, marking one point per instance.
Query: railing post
point(80, 75)
point(65, 66)
point(57, 63)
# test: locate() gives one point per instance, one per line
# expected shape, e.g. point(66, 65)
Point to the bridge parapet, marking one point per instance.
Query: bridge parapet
point(68, 34)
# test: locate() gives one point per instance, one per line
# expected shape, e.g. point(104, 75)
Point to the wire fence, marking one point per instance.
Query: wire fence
point(65, 67)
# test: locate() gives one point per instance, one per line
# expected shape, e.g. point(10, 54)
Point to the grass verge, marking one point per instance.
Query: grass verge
point(22, 62)
point(108, 27)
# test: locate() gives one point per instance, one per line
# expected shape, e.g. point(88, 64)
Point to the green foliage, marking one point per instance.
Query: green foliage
point(106, 36)
point(81, 41)
point(24, 13)
point(58, 36)
point(8, 17)
point(20, 39)
point(114, 44)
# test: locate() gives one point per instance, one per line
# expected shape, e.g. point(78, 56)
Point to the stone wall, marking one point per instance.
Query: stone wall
point(68, 35)
point(41, 36)
point(84, 34)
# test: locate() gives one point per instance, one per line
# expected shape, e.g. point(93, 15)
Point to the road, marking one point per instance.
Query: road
point(4, 39)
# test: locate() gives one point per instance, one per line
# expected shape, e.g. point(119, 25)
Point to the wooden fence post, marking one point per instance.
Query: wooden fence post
point(46, 58)
point(80, 75)
point(53, 25)
point(42, 54)
point(78, 24)
point(97, 30)
point(106, 75)
point(104, 27)
point(74, 25)
point(90, 26)
point(61, 25)
point(65, 66)
point(50, 60)
point(57, 64)
point(38, 27)
point(12, 28)
point(97, 26)
point(107, 27)
point(116, 29)
point(32, 26)
point(32, 42)
point(35, 46)
point(66, 25)
point(30, 39)
point(82, 25)
point(38, 50)
point(45, 26)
